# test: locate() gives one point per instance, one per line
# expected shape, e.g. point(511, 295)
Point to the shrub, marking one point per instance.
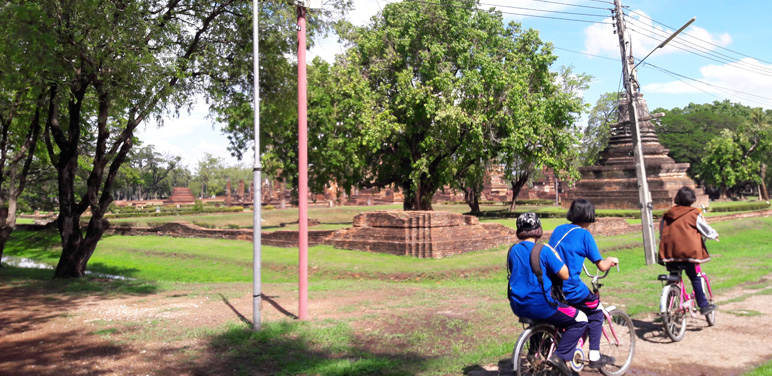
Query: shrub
point(268, 207)
point(740, 206)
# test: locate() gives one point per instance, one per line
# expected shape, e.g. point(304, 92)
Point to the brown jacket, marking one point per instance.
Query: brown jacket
point(679, 239)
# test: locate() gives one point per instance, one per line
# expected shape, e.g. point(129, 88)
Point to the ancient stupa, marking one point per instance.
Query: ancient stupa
point(612, 182)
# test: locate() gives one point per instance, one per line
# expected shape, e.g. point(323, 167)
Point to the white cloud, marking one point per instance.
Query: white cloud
point(738, 82)
point(600, 38)
point(189, 136)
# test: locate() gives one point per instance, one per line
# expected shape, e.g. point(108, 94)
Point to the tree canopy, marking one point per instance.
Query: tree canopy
point(403, 107)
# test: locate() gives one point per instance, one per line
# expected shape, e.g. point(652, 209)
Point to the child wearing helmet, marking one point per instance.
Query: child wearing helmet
point(532, 299)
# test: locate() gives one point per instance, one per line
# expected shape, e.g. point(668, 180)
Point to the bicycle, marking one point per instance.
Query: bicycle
point(675, 303)
point(538, 341)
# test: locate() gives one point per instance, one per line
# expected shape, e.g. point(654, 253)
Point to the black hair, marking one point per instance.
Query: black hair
point(581, 211)
point(535, 233)
point(685, 196)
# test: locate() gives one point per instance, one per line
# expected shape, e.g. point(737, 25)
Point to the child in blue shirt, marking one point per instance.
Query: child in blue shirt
point(574, 243)
point(528, 298)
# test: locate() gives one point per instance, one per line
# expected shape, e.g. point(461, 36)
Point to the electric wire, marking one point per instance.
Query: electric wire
point(572, 5)
point(702, 51)
point(679, 44)
point(587, 54)
point(732, 92)
point(699, 39)
point(752, 69)
point(510, 13)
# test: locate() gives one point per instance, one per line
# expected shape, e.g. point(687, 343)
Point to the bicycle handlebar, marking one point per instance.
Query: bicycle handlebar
point(596, 276)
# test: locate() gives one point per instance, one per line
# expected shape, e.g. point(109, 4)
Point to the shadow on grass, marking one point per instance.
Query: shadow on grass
point(303, 348)
point(43, 244)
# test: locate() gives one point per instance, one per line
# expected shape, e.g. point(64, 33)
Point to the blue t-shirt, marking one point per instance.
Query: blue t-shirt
point(525, 294)
point(577, 245)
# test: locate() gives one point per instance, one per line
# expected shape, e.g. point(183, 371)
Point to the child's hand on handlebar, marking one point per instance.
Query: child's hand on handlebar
point(613, 261)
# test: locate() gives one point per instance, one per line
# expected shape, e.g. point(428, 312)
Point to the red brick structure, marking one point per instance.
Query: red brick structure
point(180, 195)
point(612, 183)
point(422, 234)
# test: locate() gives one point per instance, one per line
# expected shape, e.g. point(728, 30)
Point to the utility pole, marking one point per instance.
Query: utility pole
point(302, 6)
point(257, 197)
point(302, 168)
point(631, 88)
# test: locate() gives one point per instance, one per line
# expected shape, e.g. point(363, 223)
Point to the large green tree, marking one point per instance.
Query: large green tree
point(231, 95)
point(687, 131)
point(111, 65)
point(436, 88)
point(544, 134)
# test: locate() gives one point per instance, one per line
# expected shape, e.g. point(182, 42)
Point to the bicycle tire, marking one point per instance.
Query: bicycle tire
point(673, 317)
point(620, 344)
point(532, 349)
point(710, 317)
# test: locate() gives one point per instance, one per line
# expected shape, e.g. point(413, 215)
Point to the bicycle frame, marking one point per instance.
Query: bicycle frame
point(606, 316)
point(687, 302)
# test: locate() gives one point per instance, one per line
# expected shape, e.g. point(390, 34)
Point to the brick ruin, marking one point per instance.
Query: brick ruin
point(421, 234)
point(612, 183)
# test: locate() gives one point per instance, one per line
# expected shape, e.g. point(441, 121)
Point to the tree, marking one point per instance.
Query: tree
point(598, 131)
point(726, 162)
point(545, 136)
point(686, 132)
point(428, 108)
point(231, 94)
point(112, 65)
point(21, 98)
point(210, 173)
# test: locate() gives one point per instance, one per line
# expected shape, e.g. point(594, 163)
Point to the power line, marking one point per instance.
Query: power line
point(572, 5)
point(509, 13)
point(541, 10)
point(704, 52)
point(584, 53)
point(725, 90)
point(699, 39)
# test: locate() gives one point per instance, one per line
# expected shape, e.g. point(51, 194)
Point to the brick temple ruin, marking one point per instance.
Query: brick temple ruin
point(612, 183)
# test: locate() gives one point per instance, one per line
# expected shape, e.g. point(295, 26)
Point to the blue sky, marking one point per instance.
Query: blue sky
point(725, 54)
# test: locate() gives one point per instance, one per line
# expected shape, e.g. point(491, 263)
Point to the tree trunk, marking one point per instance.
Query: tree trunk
point(472, 198)
point(418, 199)
point(517, 186)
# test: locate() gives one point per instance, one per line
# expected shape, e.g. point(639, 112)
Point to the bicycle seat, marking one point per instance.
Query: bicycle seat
point(527, 321)
point(672, 278)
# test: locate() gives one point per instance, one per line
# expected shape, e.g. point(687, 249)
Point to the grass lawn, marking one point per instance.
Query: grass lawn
point(408, 342)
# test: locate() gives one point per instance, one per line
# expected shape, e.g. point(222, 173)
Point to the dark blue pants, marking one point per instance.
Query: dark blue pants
point(691, 272)
point(573, 323)
point(590, 305)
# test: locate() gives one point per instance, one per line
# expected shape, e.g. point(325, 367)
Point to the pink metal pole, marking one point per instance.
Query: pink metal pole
point(302, 169)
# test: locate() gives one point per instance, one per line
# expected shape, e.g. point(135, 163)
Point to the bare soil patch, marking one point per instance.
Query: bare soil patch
point(48, 333)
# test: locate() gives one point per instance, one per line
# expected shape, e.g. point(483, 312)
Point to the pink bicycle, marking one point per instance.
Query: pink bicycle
point(538, 341)
point(675, 304)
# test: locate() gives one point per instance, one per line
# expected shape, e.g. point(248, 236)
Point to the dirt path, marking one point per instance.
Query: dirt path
point(43, 333)
point(740, 341)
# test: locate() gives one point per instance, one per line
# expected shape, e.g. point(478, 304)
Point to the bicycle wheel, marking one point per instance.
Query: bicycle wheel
point(533, 348)
point(618, 340)
point(710, 317)
point(673, 318)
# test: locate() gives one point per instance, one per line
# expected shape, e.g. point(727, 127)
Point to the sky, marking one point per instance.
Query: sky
point(725, 54)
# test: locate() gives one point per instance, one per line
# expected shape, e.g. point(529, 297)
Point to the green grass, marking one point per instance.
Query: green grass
point(764, 370)
point(427, 316)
